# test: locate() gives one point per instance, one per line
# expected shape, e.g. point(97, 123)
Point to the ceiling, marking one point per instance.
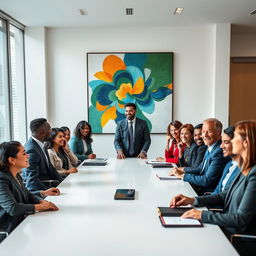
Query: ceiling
point(111, 13)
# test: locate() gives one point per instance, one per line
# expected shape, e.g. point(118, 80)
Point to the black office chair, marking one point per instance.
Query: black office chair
point(3, 235)
point(244, 244)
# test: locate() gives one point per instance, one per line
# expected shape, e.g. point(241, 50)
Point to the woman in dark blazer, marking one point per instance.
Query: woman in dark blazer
point(239, 208)
point(81, 142)
point(195, 149)
point(15, 200)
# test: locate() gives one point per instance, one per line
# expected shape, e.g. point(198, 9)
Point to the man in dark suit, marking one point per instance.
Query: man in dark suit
point(132, 138)
point(206, 176)
point(40, 167)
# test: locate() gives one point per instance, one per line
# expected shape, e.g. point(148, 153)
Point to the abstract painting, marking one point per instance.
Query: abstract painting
point(115, 79)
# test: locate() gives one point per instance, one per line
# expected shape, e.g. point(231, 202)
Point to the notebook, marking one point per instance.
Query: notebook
point(124, 194)
point(158, 164)
point(94, 162)
point(166, 177)
point(170, 217)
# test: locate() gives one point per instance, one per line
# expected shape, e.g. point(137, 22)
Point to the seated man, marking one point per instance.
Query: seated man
point(40, 167)
point(207, 175)
point(132, 138)
point(231, 169)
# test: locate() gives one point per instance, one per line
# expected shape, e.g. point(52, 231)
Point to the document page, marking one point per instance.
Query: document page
point(166, 176)
point(180, 221)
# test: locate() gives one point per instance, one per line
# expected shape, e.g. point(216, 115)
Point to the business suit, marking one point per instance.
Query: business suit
point(207, 175)
point(77, 147)
point(239, 215)
point(219, 188)
point(39, 168)
point(15, 201)
point(193, 156)
point(141, 137)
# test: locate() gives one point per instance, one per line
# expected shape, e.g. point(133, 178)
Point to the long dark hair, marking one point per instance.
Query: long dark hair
point(53, 133)
point(65, 128)
point(79, 127)
point(8, 149)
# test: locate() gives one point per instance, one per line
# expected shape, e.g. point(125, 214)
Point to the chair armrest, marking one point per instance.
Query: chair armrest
point(3, 235)
point(215, 209)
point(247, 237)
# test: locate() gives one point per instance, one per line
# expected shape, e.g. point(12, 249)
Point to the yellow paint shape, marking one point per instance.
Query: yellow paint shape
point(107, 115)
point(103, 76)
point(169, 86)
point(120, 105)
point(138, 87)
point(123, 90)
point(101, 107)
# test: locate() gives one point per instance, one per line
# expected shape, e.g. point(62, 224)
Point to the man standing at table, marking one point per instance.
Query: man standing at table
point(132, 138)
point(206, 176)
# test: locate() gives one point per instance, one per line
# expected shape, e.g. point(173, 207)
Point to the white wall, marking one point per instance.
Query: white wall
point(195, 73)
point(36, 79)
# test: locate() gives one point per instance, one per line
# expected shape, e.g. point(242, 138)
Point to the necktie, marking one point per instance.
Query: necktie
point(206, 157)
point(131, 140)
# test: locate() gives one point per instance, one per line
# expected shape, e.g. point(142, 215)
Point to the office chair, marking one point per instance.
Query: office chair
point(244, 244)
point(3, 235)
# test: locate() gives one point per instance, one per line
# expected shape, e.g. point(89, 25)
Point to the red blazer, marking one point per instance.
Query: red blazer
point(172, 155)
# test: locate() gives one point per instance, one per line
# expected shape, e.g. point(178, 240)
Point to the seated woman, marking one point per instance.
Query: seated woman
point(81, 142)
point(61, 157)
point(66, 132)
point(238, 202)
point(172, 141)
point(15, 200)
point(195, 149)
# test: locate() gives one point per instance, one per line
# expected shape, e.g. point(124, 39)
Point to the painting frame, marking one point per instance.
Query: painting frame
point(99, 60)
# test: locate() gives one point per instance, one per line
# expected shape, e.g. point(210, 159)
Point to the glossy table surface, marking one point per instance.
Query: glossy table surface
point(90, 222)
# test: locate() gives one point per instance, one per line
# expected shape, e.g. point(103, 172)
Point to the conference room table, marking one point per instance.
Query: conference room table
point(90, 222)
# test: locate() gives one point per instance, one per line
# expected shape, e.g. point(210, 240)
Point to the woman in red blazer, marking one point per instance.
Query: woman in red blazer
point(172, 141)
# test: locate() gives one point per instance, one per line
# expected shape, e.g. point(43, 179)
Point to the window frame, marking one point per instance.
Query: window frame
point(10, 21)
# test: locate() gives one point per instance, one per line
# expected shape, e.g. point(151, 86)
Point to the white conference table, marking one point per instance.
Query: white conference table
point(90, 222)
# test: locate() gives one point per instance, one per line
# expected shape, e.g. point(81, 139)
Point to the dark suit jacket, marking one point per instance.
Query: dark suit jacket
point(142, 137)
point(239, 214)
point(15, 201)
point(77, 147)
point(38, 169)
point(219, 189)
point(207, 178)
point(193, 156)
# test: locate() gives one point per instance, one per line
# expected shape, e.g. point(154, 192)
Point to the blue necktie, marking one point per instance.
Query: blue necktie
point(206, 157)
point(131, 140)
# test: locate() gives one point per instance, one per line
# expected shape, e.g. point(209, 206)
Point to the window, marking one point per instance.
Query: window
point(12, 81)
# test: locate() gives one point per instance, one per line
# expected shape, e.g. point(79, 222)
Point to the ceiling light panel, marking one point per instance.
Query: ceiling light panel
point(83, 12)
point(178, 10)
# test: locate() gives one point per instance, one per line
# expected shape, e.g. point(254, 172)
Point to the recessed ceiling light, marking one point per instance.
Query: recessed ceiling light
point(129, 11)
point(253, 12)
point(178, 10)
point(83, 12)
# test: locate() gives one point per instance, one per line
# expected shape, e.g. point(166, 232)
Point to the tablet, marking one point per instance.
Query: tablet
point(124, 194)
